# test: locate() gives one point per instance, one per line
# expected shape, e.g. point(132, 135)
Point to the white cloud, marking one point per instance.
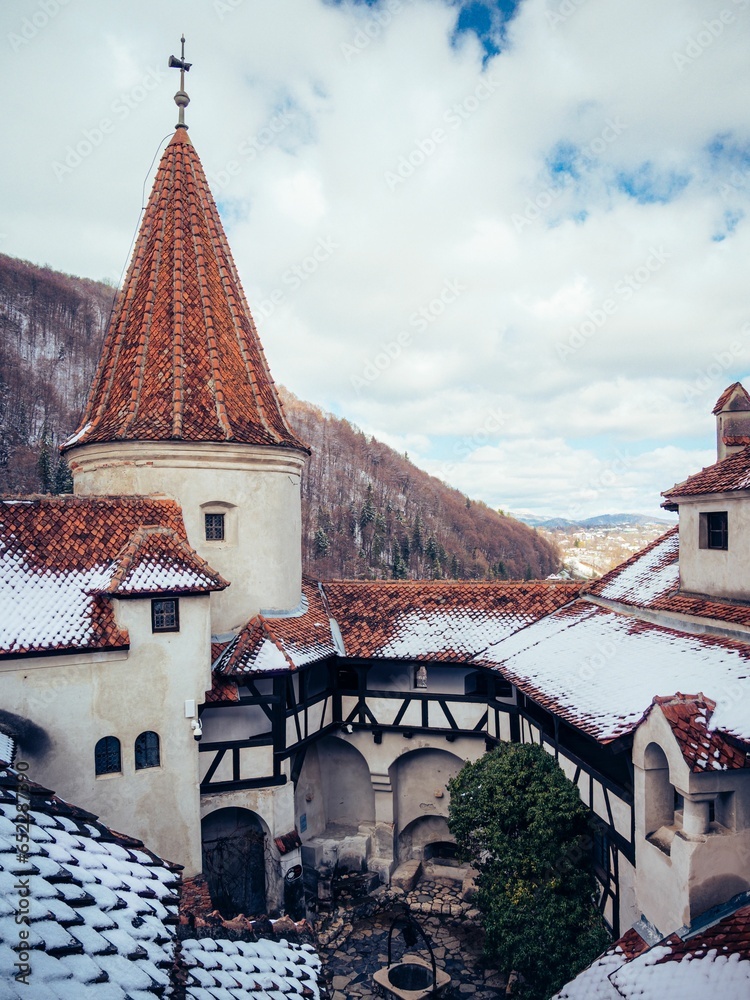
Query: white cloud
point(593, 132)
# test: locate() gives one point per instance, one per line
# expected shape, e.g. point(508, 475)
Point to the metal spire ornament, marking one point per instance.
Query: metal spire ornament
point(181, 98)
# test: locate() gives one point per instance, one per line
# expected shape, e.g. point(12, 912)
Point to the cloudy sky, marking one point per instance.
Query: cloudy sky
point(508, 238)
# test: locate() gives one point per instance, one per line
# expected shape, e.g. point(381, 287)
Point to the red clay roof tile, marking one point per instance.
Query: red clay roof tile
point(436, 620)
point(61, 558)
point(732, 473)
point(703, 749)
point(182, 359)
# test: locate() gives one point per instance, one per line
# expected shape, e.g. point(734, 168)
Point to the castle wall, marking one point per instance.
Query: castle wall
point(78, 699)
point(256, 488)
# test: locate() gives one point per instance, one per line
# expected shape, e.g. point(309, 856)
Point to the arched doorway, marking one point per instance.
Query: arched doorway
point(234, 848)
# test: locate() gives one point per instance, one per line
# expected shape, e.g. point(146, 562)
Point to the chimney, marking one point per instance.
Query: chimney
point(732, 412)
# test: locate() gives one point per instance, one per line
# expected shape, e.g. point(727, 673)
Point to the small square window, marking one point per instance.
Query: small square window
point(165, 615)
point(714, 530)
point(214, 527)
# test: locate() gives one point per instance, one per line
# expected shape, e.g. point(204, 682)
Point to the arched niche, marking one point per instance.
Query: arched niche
point(334, 790)
point(236, 861)
point(659, 805)
point(419, 779)
point(425, 838)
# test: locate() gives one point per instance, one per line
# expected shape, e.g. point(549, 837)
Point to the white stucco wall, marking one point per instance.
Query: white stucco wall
point(79, 699)
point(257, 488)
point(716, 572)
point(699, 871)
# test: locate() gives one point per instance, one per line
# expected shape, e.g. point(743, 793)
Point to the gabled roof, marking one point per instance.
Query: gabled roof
point(703, 748)
point(270, 644)
point(62, 558)
point(708, 961)
point(737, 393)
point(436, 620)
point(182, 360)
point(726, 476)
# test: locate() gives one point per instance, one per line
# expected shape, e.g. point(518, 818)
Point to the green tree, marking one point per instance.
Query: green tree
point(521, 822)
point(63, 477)
point(322, 544)
point(44, 465)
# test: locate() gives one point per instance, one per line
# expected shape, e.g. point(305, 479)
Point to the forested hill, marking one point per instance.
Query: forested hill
point(51, 329)
point(366, 510)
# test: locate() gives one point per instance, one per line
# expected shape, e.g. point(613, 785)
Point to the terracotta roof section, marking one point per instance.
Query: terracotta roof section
point(223, 691)
point(182, 360)
point(277, 644)
point(249, 970)
point(62, 558)
point(740, 402)
point(727, 476)
point(650, 580)
point(436, 620)
point(157, 560)
point(600, 670)
point(703, 748)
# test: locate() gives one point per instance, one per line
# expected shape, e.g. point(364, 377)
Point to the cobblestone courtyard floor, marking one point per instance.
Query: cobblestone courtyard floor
point(451, 926)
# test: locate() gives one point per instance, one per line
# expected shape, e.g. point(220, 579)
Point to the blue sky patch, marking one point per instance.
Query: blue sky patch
point(648, 186)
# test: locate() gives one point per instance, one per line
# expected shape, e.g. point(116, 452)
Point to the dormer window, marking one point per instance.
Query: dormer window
point(165, 615)
point(214, 527)
point(714, 530)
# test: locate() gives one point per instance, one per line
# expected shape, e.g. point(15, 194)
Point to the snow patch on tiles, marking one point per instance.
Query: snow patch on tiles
point(602, 670)
point(42, 608)
point(653, 575)
point(417, 635)
point(696, 977)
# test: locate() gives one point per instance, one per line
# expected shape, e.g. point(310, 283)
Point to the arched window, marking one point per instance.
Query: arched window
point(147, 750)
point(107, 756)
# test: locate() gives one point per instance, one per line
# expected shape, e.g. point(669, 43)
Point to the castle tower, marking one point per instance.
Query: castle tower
point(183, 402)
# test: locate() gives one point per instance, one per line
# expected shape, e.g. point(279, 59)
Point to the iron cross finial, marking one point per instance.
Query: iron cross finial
point(181, 99)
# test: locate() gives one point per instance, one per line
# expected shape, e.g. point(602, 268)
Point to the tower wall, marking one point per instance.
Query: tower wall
point(256, 488)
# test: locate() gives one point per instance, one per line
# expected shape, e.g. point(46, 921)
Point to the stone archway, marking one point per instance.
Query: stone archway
point(419, 778)
point(426, 838)
point(234, 861)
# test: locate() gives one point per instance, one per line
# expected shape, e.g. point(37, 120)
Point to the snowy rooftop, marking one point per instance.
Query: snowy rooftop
point(101, 907)
point(269, 645)
point(728, 475)
point(429, 620)
point(61, 558)
point(102, 917)
point(600, 670)
point(258, 970)
point(711, 962)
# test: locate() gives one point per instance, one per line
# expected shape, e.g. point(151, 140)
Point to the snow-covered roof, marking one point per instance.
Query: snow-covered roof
point(103, 915)
point(101, 908)
point(437, 620)
point(272, 644)
point(713, 961)
point(61, 558)
point(652, 573)
point(600, 670)
point(240, 970)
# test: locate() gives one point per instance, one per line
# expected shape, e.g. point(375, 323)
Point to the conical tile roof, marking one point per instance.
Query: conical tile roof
point(181, 359)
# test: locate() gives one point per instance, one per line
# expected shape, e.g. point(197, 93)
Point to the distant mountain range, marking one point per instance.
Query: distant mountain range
point(601, 521)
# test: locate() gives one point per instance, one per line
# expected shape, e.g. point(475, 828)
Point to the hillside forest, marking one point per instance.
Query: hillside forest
point(367, 511)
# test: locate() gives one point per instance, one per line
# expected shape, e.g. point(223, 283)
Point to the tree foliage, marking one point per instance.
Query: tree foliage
point(521, 822)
